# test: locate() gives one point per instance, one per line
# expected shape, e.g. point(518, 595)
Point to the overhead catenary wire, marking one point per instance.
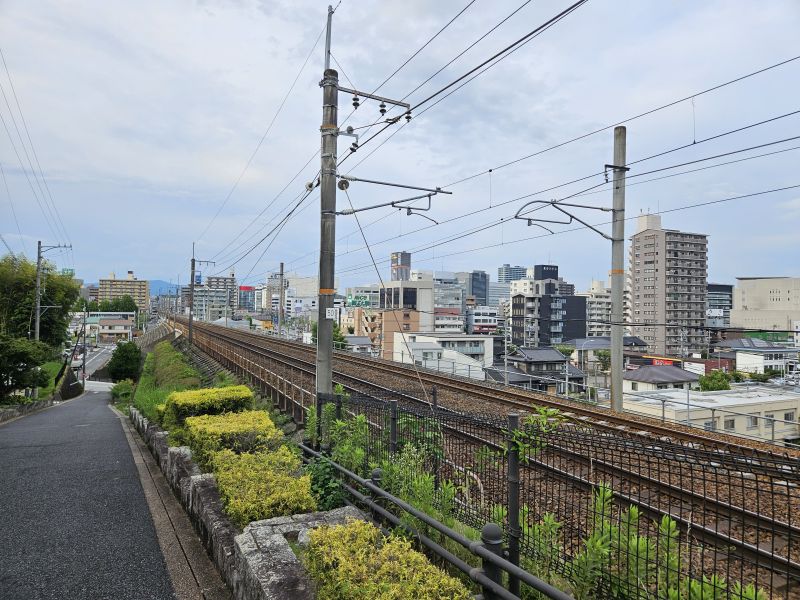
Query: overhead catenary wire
point(263, 137)
point(13, 210)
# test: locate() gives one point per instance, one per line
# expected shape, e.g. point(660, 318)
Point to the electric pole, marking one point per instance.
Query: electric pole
point(39, 251)
point(281, 302)
point(617, 274)
point(327, 246)
point(191, 292)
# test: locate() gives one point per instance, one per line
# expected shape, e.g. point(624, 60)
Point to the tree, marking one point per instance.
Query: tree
point(338, 337)
point(565, 350)
point(19, 359)
point(125, 361)
point(604, 358)
point(716, 380)
point(122, 304)
point(18, 299)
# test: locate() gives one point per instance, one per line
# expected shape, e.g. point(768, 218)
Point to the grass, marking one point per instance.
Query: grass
point(165, 371)
point(51, 368)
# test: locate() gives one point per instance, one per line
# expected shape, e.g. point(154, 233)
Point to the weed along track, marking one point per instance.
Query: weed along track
point(735, 503)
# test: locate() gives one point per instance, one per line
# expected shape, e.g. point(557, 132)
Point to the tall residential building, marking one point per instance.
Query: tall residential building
point(598, 309)
point(225, 289)
point(507, 273)
point(769, 303)
point(401, 266)
point(113, 288)
point(449, 300)
point(546, 319)
point(719, 303)
point(668, 277)
point(247, 298)
point(410, 296)
point(476, 284)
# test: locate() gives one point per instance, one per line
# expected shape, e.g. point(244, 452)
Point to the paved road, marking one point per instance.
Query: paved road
point(74, 522)
point(97, 358)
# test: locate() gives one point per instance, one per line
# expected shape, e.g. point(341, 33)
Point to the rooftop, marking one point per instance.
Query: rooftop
point(603, 342)
point(740, 395)
point(660, 374)
point(542, 354)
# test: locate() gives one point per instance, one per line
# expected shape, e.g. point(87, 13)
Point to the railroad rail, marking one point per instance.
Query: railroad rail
point(288, 368)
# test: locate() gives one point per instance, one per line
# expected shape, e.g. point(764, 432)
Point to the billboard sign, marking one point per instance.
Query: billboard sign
point(68, 272)
point(357, 300)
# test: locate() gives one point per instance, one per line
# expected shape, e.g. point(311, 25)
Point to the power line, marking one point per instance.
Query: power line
point(573, 229)
point(263, 137)
point(13, 211)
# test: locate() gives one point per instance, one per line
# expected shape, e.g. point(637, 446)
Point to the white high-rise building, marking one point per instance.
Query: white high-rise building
point(598, 309)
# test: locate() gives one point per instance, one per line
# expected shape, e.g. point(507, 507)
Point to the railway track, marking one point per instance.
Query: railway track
point(745, 531)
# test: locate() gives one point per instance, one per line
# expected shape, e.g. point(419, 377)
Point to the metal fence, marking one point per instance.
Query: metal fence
point(601, 514)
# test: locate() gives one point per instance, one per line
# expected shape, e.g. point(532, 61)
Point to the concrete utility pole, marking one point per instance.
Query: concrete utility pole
point(617, 274)
point(327, 246)
point(191, 293)
point(39, 251)
point(281, 302)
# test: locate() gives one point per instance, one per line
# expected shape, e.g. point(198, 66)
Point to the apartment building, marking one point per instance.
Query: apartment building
point(113, 288)
point(401, 266)
point(547, 319)
point(667, 279)
point(598, 309)
point(507, 273)
point(482, 319)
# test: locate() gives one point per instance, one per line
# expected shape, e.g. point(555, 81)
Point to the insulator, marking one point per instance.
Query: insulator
point(383, 108)
point(354, 147)
point(355, 101)
point(408, 116)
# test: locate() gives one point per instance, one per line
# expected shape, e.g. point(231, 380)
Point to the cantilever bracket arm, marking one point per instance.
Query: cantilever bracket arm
point(405, 105)
point(559, 206)
point(400, 185)
point(394, 203)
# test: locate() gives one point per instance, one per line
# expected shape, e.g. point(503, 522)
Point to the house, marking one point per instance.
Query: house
point(657, 377)
point(115, 330)
point(360, 344)
point(432, 355)
point(754, 355)
point(585, 353)
point(544, 369)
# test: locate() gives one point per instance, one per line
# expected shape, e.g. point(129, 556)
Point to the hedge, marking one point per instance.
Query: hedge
point(262, 485)
point(249, 431)
point(206, 401)
point(355, 562)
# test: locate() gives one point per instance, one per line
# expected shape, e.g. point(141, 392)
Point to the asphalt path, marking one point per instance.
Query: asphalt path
point(74, 522)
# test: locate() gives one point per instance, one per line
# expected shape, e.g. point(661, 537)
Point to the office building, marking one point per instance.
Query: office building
point(405, 296)
point(482, 319)
point(113, 288)
point(476, 286)
point(719, 302)
point(247, 298)
point(507, 273)
point(667, 276)
point(498, 293)
point(771, 304)
point(401, 266)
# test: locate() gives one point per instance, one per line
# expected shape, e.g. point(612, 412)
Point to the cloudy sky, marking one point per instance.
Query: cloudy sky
point(144, 115)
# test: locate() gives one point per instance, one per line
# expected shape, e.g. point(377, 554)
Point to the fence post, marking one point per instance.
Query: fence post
point(434, 397)
point(514, 531)
point(393, 427)
point(320, 401)
point(376, 476)
point(492, 538)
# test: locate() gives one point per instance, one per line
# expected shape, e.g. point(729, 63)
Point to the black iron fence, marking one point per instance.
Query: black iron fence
point(600, 514)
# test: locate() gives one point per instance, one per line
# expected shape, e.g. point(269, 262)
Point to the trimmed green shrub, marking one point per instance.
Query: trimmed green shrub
point(249, 431)
point(261, 486)
point(354, 562)
point(206, 401)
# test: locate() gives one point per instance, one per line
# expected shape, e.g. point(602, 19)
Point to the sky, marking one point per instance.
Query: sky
point(156, 125)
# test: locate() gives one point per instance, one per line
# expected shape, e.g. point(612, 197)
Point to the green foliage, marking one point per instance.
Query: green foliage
point(338, 336)
point(353, 562)
point(261, 486)
point(565, 349)
point(172, 370)
point(349, 439)
point(19, 362)
point(51, 369)
point(668, 559)
point(325, 485)
point(423, 432)
point(716, 380)
point(328, 419)
point(604, 359)
point(122, 304)
point(125, 361)
point(760, 377)
point(224, 379)
point(122, 390)
point(530, 438)
point(207, 401)
point(738, 376)
point(17, 300)
point(149, 393)
point(249, 431)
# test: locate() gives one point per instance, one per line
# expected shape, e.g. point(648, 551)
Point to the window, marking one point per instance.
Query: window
point(788, 416)
point(634, 385)
point(708, 425)
point(730, 424)
point(406, 327)
point(752, 421)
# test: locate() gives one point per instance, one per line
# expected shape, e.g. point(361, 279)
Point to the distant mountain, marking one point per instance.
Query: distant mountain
point(159, 287)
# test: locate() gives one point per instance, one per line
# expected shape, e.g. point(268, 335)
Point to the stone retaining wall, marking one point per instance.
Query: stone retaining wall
point(257, 564)
point(13, 411)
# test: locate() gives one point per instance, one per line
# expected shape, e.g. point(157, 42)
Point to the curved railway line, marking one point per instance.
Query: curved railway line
point(761, 533)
